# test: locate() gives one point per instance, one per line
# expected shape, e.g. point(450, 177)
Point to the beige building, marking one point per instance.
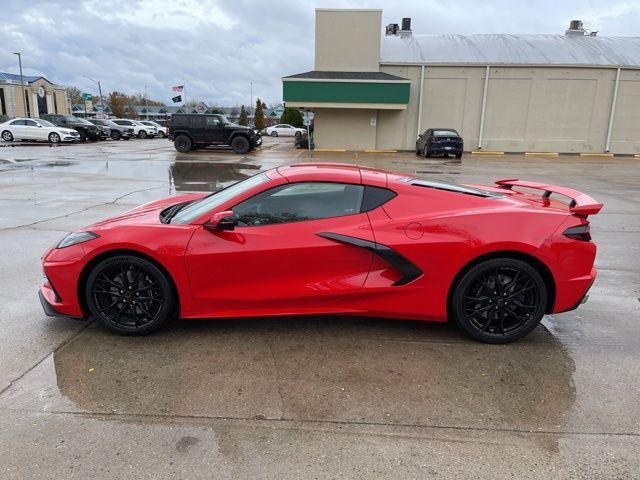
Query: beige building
point(41, 96)
point(573, 92)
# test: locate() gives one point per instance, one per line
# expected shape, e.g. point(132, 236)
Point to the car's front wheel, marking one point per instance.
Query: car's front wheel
point(499, 300)
point(274, 134)
point(298, 134)
point(130, 295)
point(115, 135)
point(7, 136)
point(161, 134)
point(54, 137)
point(240, 145)
point(142, 134)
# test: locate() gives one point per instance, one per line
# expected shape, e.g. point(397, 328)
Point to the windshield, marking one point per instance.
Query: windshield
point(202, 206)
point(83, 120)
point(71, 118)
point(445, 133)
point(44, 123)
point(109, 123)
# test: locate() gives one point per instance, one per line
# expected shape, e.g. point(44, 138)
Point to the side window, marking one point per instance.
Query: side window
point(197, 122)
point(18, 123)
point(179, 120)
point(374, 197)
point(212, 122)
point(30, 123)
point(298, 202)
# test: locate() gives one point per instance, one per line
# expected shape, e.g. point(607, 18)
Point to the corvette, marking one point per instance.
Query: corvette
point(326, 238)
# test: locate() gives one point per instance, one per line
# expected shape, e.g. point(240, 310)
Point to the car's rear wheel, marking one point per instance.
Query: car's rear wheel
point(54, 137)
point(142, 134)
point(499, 300)
point(274, 134)
point(130, 295)
point(7, 136)
point(116, 135)
point(240, 145)
point(182, 144)
point(458, 156)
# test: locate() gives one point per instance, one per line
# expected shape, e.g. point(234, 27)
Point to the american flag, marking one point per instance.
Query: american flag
point(177, 88)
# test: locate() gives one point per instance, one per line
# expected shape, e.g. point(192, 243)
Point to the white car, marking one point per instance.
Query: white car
point(162, 131)
point(36, 129)
point(139, 130)
point(285, 130)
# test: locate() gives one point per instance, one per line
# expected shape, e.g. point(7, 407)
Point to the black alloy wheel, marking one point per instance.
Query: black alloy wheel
point(240, 144)
point(183, 144)
point(116, 135)
point(499, 300)
point(130, 295)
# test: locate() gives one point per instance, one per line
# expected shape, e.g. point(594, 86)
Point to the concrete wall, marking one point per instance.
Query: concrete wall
point(348, 128)
point(348, 40)
point(528, 108)
point(15, 105)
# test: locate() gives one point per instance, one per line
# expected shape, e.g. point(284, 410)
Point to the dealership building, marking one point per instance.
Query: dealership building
point(377, 90)
point(40, 96)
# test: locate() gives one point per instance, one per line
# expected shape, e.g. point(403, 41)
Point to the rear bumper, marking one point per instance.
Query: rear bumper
point(446, 149)
point(571, 294)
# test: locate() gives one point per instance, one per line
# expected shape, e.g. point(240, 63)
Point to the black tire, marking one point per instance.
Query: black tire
point(83, 136)
point(126, 138)
point(142, 134)
point(161, 134)
point(7, 136)
point(240, 144)
point(183, 144)
point(298, 134)
point(130, 295)
point(427, 153)
point(458, 156)
point(499, 300)
point(54, 137)
point(116, 135)
point(274, 134)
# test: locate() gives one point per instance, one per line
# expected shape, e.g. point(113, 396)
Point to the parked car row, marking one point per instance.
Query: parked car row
point(68, 128)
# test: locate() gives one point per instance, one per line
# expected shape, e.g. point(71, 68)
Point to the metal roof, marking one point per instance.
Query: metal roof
point(326, 75)
point(506, 49)
point(27, 78)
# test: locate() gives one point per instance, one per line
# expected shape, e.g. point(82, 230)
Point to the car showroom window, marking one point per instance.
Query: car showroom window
point(299, 202)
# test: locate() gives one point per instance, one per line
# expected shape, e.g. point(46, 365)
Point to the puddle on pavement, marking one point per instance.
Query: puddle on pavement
point(324, 369)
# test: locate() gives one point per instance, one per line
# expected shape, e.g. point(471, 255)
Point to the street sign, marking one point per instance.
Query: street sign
point(307, 120)
point(88, 105)
point(279, 110)
point(87, 96)
point(201, 107)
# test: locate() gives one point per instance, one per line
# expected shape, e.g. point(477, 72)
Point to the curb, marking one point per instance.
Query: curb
point(380, 151)
point(482, 152)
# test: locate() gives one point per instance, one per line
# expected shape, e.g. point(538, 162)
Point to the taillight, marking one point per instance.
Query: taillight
point(581, 232)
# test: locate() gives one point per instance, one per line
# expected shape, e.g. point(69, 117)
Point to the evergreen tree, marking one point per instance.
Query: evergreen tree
point(293, 117)
point(243, 117)
point(258, 116)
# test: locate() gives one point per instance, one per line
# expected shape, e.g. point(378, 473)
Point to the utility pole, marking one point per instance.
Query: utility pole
point(24, 95)
point(251, 104)
point(146, 103)
point(100, 92)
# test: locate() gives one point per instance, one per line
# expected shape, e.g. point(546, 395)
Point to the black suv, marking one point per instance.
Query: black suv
point(86, 129)
point(194, 131)
point(116, 131)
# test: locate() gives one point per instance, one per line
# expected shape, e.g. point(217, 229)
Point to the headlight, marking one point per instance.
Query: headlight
point(76, 238)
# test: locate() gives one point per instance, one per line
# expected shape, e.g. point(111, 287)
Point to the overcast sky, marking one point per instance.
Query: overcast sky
point(216, 48)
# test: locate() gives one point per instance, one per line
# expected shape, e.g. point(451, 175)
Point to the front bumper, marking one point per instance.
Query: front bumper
point(256, 141)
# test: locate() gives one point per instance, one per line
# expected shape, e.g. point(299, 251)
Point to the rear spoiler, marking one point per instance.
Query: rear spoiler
point(581, 204)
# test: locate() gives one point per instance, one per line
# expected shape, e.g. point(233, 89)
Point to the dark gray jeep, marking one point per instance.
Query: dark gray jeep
point(193, 131)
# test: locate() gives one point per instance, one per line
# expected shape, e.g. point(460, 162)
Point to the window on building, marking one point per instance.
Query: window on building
point(3, 105)
point(26, 99)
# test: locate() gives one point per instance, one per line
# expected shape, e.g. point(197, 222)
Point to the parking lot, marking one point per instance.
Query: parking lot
point(308, 397)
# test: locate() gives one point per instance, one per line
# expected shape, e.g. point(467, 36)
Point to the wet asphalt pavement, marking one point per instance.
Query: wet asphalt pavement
point(319, 397)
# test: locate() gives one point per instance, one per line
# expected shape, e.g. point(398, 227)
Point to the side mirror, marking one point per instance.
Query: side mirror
point(222, 221)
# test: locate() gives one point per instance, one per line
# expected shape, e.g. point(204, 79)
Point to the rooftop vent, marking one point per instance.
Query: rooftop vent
point(393, 29)
point(576, 29)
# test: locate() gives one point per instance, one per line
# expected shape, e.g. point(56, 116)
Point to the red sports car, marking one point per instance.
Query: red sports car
point(324, 238)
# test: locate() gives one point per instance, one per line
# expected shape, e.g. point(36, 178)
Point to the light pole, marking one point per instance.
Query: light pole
point(251, 104)
point(24, 95)
point(99, 91)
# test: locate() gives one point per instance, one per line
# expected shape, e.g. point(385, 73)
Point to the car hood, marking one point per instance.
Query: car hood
point(146, 214)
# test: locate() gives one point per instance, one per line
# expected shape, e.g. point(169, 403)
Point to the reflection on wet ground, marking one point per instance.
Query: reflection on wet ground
point(320, 369)
point(208, 176)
